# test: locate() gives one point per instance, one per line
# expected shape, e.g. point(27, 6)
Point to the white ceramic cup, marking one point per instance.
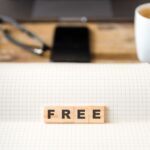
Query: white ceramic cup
point(142, 32)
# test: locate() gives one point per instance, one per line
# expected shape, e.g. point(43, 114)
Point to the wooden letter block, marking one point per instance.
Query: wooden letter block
point(96, 114)
point(74, 114)
point(81, 114)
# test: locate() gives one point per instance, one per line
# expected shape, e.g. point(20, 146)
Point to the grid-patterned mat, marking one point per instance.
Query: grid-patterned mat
point(38, 136)
point(26, 88)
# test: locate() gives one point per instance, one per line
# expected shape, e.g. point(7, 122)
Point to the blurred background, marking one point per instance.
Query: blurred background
point(110, 24)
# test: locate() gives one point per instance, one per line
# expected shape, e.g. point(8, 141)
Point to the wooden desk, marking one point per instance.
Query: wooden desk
point(110, 43)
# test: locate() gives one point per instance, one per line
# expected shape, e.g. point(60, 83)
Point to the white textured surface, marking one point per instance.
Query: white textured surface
point(26, 88)
point(38, 136)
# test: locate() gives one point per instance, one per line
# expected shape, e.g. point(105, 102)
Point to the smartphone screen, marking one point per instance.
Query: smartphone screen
point(71, 44)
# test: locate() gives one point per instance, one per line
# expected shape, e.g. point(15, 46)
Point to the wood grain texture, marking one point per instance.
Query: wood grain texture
point(110, 43)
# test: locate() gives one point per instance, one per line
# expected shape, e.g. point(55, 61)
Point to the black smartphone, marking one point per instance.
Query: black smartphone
point(71, 44)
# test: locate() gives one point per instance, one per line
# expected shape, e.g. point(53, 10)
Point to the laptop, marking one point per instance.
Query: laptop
point(56, 10)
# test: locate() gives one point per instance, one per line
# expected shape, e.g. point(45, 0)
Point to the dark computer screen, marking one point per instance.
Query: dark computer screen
point(46, 10)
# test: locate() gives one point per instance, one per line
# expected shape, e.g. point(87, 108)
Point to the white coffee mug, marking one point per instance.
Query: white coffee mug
point(142, 32)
